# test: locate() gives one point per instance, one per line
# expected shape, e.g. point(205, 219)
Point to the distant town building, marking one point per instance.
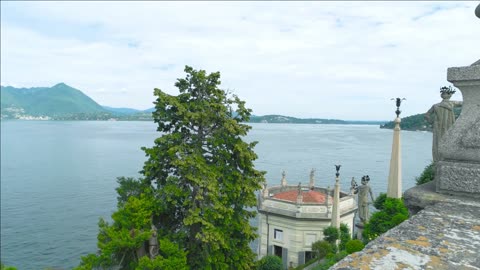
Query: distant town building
point(292, 217)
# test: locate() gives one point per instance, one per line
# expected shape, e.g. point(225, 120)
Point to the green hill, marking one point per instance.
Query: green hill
point(121, 111)
point(292, 120)
point(416, 122)
point(57, 101)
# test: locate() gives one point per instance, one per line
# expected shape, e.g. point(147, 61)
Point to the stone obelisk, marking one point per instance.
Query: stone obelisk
point(336, 200)
point(394, 189)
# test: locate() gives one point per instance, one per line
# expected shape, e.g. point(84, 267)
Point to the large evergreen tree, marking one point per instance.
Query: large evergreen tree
point(203, 173)
point(198, 188)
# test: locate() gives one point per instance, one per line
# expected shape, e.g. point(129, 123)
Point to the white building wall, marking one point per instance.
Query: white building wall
point(295, 235)
point(298, 234)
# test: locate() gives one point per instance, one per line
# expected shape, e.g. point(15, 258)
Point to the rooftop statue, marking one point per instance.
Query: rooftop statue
point(363, 191)
point(443, 118)
point(354, 186)
point(312, 179)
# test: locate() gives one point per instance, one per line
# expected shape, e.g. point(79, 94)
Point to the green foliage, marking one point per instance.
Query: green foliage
point(354, 246)
point(119, 242)
point(331, 234)
point(340, 255)
point(128, 187)
point(171, 257)
point(392, 213)
point(330, 260)
point(3, 267)
point(203, 172)
point(427, 175)
point(322, 248)
point(380, 201)
point(270, 262)
point(344, 236)
point(198, 188)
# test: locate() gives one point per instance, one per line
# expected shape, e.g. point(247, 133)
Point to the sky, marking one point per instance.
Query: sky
point(323, 59)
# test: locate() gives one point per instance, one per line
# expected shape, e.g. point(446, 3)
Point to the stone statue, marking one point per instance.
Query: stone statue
point(265, 191)
point(363, 204)
point(284, 180)
point(312, 179)
point(153, 243)
point(443, 118)
point(354, 186)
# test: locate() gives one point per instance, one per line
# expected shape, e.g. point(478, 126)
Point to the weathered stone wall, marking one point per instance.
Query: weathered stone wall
point(445, 235)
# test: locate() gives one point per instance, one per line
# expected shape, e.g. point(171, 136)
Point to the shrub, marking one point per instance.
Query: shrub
point(270, 262)
point(322, 248)
point(392, 213)
point(331, 234)
point(354, 246)
point(339, 256)
point(427, 175)
point(3, 267)
point(344, 236)
point(380, 201)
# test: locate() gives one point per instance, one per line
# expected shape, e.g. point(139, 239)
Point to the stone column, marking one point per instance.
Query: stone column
point(394, 189)
point(311, 185)
point(458, 170)
point(336, 203)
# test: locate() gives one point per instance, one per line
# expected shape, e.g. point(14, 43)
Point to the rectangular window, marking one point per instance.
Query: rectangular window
point(278, 234)
point(278, 251)
point(308, 256)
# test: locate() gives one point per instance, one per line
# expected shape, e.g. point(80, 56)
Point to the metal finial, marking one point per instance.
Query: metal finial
point(398, 102)
point(337, 167)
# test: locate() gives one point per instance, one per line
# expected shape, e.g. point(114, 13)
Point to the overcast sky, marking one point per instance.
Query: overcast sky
point(342, 60)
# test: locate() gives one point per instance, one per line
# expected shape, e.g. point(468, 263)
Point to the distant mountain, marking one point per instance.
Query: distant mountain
point(292, 120)
point(123, 111)
point(62, 102)
point(59, 100)
point(149, 110)
point(416, 122)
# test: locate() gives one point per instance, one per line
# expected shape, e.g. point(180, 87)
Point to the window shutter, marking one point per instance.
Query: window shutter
point(285, 257)
point(301, 257)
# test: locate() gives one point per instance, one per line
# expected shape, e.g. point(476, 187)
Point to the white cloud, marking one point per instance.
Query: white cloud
point(307, 59)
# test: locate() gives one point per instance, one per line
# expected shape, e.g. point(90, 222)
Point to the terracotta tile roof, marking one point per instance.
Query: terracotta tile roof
point(310, 196)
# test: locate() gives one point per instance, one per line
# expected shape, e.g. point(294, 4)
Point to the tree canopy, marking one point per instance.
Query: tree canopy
point(198, 186)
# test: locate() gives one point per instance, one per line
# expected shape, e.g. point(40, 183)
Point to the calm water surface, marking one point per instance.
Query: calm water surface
point(59, 178)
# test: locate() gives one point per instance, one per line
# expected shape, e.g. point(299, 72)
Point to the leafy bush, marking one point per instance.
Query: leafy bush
point(339, 256)
point(3, 267)
point(322, 249)
point(344, 236)
point(392, 213)
point(270, 262)
point(380, 201)
point(427, 175)
point(354, 246)
point(331, 234)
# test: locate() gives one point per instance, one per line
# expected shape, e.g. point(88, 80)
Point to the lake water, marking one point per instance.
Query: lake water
point(59, 178)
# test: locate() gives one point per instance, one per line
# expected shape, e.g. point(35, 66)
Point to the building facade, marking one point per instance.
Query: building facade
point(291, 218)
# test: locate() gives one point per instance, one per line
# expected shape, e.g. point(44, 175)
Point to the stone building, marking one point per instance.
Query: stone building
point(292, 217)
